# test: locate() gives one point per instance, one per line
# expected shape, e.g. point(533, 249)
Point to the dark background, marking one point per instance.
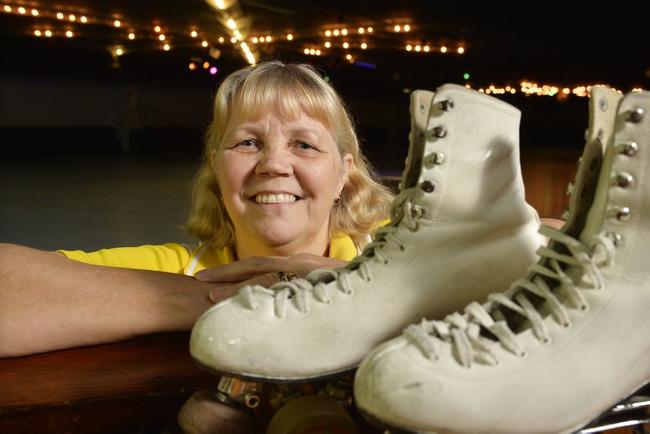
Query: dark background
point(56, 92)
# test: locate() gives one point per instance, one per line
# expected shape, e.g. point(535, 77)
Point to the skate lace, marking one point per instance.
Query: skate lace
point(405, 214)
point(475, 335)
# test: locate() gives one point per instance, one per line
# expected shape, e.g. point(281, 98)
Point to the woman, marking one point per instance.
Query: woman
point(282, 189)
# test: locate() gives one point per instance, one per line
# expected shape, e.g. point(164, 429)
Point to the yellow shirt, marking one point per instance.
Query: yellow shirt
point(180, 259)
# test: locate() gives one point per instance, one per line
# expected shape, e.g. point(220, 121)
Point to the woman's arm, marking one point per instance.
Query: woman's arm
point(49, 302)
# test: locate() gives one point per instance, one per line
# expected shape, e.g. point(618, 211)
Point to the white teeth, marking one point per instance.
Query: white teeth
point(275, 198)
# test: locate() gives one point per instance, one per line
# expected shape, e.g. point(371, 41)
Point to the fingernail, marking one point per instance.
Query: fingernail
point(200, 275)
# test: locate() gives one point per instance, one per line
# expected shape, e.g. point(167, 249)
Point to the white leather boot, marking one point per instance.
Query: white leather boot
point(564, 344)
point(460, 230)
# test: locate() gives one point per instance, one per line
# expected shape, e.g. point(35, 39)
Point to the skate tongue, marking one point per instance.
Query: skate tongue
point(419, 109)
point(598, 210)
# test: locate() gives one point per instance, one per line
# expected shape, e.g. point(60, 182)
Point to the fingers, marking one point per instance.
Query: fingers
point(300, 264)
point(554, 223)
point(222, 293)
point(242, 270)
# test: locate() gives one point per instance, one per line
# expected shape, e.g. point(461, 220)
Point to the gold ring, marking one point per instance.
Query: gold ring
point(286, 277)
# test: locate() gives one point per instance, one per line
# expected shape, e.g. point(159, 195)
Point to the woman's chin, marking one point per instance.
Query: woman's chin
point(279, 238)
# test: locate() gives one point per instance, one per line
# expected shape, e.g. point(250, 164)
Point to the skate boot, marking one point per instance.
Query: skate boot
point(460, 229)
point(562, 345)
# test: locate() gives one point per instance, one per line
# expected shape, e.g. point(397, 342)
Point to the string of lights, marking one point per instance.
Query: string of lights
point(346, 40)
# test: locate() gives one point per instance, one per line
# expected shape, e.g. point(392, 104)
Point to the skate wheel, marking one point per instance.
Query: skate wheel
point(312, 414)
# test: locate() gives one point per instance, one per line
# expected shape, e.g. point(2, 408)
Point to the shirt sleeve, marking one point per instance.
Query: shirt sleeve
point(170, 257)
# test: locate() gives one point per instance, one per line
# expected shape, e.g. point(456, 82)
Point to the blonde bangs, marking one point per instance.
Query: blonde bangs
point(288, 92)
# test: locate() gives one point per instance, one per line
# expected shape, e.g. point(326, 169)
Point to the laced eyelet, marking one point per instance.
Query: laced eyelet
point(616, 238)
point(446, 104)
point(434, 159)
point(567, 324)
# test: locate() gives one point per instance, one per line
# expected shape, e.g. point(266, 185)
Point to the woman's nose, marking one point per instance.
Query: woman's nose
point(274, 161)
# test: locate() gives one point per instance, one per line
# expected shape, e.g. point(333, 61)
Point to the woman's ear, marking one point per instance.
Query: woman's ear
point(213, 160)
point(348, 162)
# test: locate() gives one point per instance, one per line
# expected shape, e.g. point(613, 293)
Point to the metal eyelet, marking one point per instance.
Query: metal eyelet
point(428, 186)
point(623, 179)
point(567, 324)
point(630, 149)
point(636, 115)
point(583, 307)
point(439, 132)
point(446, 104)
point(433, 159)
point(623, 213)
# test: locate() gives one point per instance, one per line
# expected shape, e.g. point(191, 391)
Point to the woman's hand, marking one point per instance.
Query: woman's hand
point(554, 223)
point(261, 270)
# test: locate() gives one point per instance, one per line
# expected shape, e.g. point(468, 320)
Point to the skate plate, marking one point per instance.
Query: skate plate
point(633, 412)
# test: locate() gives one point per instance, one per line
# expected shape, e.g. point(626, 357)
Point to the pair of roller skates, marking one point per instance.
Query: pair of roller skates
point(501, 331)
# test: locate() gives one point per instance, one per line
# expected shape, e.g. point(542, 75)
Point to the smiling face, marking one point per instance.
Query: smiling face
point(279, 179)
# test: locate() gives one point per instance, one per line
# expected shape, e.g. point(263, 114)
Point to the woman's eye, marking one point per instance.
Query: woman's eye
point(304, 146)
point(248, 143)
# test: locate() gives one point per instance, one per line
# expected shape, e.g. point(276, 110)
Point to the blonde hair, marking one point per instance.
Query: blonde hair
point(289, 89)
